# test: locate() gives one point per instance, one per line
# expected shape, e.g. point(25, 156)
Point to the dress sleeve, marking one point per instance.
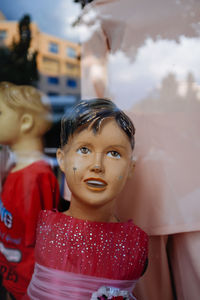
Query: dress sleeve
point(43, 194)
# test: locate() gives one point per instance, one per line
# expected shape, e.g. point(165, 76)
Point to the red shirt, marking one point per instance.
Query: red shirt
point(25, 193)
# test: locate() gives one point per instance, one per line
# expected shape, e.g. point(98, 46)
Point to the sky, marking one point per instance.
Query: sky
point(155, 57)
point(52, 17)
point(148, 49)
point(153, 62)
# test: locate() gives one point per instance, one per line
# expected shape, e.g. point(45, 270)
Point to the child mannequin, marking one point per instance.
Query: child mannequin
point(81, 251)
point(29, 187)
point(6, 163)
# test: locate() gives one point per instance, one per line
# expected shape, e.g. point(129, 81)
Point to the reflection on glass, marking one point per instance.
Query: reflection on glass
point(145, 56)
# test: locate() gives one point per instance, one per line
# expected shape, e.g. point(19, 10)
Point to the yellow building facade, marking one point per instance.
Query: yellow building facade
point(58, 60)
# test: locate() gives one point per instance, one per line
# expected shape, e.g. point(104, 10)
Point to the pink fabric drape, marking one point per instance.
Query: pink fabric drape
point(163, 195)
point(51, 284)
point(125, 43)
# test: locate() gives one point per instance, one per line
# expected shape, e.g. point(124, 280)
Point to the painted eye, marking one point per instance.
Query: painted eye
point(114, 154)
point(83, 150)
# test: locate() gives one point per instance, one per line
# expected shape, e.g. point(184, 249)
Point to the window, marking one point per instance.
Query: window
point(3, 34)
point(53, 94)
point(70, 66)
point(72, 70)
point(71, 52)
point(53, 80)
point(50, 65)
point(71, 82)
point(53, 47)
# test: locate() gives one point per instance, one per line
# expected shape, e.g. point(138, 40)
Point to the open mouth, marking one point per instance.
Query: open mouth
point(96, 183)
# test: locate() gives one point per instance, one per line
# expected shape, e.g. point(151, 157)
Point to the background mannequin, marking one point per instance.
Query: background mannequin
point(29, 187)
point(6, 162)
point(27, 119)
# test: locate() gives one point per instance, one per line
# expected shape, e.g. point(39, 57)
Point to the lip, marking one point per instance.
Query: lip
point(96, 184)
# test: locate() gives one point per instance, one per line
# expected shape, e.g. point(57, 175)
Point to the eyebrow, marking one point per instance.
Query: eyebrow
point(117, 146)
point(86, 143)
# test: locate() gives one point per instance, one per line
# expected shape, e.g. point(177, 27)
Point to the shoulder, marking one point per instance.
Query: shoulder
point(35, 169)
point(141, 232)
point(49, 223)
point(39, 173)
point(134, 228)
point(132, 234)
point(38, 167)
point(47, 214)
point(48, 217)
point(138, 235)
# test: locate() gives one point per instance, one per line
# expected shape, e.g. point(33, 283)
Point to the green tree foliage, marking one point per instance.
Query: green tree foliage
point(18, 65)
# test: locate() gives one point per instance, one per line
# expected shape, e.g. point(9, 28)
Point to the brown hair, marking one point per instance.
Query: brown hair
point(24, 98)
point(93, 112)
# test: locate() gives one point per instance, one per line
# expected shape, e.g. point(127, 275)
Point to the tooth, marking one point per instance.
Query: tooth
point(95, 182)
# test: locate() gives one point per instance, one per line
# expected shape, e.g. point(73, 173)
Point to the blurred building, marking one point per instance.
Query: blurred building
point(58, 64)
point(58, 60)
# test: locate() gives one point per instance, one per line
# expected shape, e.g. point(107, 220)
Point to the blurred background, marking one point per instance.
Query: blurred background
point(40, 46)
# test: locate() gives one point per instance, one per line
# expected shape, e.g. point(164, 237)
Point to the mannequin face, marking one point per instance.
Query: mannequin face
point(9, 124)
point(96, 166)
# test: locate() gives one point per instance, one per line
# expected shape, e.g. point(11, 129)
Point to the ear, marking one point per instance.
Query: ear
point(27, 122)
point(131, 168)
point(60, 159)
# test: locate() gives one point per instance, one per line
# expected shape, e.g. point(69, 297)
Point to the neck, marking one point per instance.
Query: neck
point(26, 152)
point(92, 213)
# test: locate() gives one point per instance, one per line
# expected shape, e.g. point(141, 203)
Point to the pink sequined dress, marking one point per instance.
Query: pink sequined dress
point(75, 257)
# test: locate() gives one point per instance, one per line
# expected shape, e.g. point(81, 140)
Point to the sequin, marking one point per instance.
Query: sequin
point(110, 250)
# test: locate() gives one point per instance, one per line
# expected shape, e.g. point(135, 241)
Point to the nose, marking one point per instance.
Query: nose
point(97, 164)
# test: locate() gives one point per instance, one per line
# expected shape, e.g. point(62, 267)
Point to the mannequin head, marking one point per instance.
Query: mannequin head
point(22, 113)
point(97, 141)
